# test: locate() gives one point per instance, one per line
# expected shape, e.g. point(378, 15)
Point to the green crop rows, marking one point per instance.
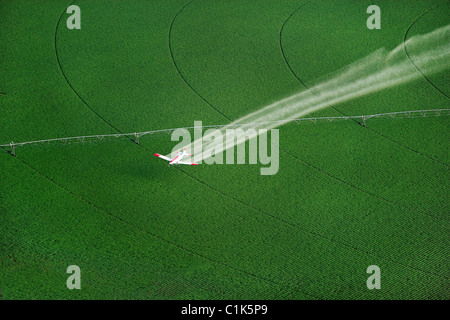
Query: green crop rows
point(345, 196)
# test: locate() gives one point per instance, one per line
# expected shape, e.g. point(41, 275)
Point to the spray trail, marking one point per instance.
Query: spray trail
point(380, 70)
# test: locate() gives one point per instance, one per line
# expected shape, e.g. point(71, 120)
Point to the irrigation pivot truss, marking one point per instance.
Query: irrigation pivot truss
point(136, 135)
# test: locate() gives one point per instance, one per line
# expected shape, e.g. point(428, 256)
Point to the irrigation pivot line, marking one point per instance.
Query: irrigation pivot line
point(136, 135)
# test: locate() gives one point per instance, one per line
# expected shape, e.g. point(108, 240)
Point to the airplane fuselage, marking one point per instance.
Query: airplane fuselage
point(178, 158)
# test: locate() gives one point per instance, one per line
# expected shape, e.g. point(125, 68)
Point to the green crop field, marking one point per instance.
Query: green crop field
point(345, 196)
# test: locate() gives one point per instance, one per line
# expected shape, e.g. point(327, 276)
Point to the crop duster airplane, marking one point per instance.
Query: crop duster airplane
point(177, 159)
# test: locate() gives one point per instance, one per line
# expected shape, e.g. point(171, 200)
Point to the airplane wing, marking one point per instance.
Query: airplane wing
point(163, 157)
point(188, 163)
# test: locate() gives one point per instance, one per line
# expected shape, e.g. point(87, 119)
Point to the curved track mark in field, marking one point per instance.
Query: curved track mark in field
point(76, 92)
point(284, 55)
point(178, 69)
point(432, 158)
point(68, 82)
point(407, 54)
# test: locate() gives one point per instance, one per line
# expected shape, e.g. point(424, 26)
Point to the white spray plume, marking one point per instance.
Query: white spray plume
point(379, 70)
